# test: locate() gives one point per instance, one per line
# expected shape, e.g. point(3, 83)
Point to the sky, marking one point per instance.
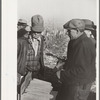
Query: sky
point(57, 12)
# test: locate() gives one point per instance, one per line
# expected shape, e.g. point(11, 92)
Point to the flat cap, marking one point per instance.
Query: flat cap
point(89, 25)
point(75, 24)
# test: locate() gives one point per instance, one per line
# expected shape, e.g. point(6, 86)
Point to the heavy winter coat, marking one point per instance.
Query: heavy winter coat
point(23, 47)
point(80, 64)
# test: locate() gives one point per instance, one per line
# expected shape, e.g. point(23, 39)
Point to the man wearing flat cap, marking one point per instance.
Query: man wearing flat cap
point(90, 29)
point(79, 69)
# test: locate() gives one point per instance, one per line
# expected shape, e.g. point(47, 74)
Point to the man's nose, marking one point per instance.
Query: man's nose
point(65, 32)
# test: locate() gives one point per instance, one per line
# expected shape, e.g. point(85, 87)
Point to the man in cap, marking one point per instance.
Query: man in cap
point(22, 23)
point(90, 30)
point(22, 49)
point(30, 52)
point(79, 68)
point(36, 40)
point(89, 25)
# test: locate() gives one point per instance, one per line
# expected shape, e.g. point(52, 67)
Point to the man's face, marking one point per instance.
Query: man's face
point(72, 33)
point(20, 27)
point(37, 35)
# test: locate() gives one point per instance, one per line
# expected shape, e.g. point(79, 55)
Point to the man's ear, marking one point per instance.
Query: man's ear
point(77, 31)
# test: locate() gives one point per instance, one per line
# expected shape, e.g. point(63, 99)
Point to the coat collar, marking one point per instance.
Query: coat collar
point(79, 38)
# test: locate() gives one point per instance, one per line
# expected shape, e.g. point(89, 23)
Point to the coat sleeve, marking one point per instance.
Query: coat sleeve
point(41, 57)
point(42, 47)
point(21, 53)
point(18, 54)
point(80, 66)
point(18, 48)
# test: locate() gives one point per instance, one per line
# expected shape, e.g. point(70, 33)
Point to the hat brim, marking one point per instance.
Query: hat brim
point(89, 28)
point(71, 28)
point(24, 24)
point(37, 28)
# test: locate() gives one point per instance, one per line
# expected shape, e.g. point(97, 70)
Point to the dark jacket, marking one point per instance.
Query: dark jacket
point(80, 64)
point(23, 47)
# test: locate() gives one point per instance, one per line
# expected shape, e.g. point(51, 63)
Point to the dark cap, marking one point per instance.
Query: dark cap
point(75, 24)
point(89, 25)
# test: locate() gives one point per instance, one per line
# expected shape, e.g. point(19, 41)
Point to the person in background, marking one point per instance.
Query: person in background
point(22, 48)
point(21, 25)
point(21, 52)
point(90, 30)
point(79, 69)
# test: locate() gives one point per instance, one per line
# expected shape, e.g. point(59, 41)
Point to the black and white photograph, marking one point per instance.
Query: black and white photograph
point(51, 50)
